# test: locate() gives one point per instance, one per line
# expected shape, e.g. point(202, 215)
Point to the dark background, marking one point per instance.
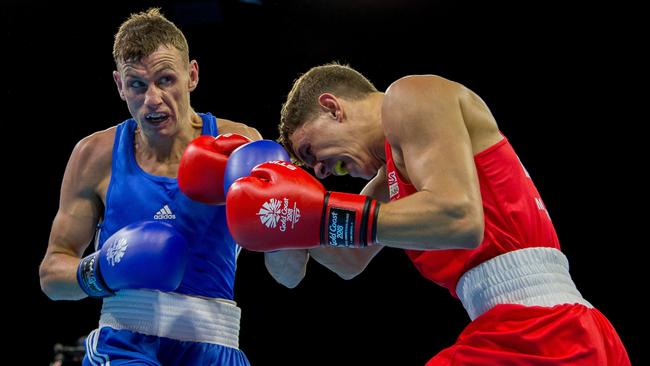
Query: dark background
point(561, 81)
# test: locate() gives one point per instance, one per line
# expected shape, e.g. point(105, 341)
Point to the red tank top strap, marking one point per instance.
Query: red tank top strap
point(398, 187)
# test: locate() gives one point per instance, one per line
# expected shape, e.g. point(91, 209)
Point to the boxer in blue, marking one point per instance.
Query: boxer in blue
point(164, 262)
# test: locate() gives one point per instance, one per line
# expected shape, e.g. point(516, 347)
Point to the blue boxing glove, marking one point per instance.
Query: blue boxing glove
point(243, 159)
point(149, 254)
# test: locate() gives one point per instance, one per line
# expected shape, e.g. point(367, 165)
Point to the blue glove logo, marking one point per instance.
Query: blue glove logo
point(116, 251)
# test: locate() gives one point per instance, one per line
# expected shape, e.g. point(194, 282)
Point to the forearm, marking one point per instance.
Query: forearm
point(287, 267)
point(58, 276)
point(422, 222)
point(312, 217)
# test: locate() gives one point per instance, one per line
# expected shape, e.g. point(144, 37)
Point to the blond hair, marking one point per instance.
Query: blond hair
point(142, 33)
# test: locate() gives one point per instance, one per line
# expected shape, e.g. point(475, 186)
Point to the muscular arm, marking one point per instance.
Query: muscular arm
point(424, 124)
point(227, 126)
point(74, 224)
point(289, 267)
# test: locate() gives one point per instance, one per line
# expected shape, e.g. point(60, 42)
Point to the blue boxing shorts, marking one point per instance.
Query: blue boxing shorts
point(143, 327)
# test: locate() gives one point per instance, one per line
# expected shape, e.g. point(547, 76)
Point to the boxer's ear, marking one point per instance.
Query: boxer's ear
point(194, 75)
point(118, 82)
point(330, 103)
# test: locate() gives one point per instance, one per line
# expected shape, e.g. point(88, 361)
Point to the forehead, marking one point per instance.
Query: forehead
point(163, 57)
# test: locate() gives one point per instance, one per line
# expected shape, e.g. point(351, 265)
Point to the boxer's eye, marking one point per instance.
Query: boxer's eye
point(136, 84)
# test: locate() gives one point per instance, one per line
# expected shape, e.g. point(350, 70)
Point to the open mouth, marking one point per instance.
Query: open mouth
point(156, 117)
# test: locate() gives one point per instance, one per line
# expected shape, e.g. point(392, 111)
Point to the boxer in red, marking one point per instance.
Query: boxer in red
point(446, 186)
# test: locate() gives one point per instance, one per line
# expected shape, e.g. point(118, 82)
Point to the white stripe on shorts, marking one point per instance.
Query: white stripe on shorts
point(94, 356)
point(175, 316)
point(531, 276)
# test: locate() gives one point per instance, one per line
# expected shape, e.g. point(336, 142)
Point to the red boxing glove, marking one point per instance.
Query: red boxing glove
point(280, 206)
point(200, 172)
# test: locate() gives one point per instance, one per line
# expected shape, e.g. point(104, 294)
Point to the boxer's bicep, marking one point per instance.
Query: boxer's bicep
point(424, 122)
point(437, 153)
point(79, 204)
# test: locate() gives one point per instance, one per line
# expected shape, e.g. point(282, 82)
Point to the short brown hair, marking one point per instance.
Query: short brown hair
point(142, 33)
point(302, 101)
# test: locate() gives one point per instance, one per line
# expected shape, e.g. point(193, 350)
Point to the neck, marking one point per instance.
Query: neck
point(166, 149)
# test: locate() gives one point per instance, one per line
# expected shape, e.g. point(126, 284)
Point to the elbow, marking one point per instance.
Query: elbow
point(472, 239)
point(348, 270)
point(463, 229)
point(47, 290)
point(472, 230)
point(348, 275)
point(47, 284)
point(51, 294)
point(58, 277)
point(289, 282)
point(350, 266)
point(54, 286)
point(287, 267)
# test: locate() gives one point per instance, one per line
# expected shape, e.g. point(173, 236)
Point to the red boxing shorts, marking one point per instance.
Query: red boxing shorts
point(527, 311)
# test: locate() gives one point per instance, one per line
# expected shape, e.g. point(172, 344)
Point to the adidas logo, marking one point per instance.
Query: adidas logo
point(164, 214)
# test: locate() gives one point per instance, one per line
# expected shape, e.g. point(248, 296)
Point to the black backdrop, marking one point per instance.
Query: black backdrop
point(559, 80)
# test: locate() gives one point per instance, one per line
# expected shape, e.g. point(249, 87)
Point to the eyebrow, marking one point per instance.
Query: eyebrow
point(164, 66)
point(299, 154)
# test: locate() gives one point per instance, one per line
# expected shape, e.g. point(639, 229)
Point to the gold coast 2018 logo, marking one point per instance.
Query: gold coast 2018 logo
point(282, 212)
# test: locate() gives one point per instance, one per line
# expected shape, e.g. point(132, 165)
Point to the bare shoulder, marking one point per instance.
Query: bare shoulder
point(414, 102)
point(410, 95)
point(422, 86)
point(432, 103)
point(228, 126)
point(91, 158)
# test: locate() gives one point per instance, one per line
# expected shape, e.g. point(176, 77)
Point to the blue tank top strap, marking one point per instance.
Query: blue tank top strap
point(209, 124)
point(123, 144)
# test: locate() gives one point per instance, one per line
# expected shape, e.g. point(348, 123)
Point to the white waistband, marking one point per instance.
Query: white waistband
point(530, 276)
point(175, 316)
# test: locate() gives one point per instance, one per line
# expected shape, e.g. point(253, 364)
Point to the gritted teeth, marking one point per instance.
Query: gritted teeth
point(156, 116)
